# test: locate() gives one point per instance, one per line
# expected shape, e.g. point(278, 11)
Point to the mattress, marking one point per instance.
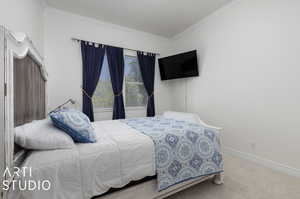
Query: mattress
point(121, 155)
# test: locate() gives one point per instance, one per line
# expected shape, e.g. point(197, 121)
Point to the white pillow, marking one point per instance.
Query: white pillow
point(42, 135)
point(189, 117)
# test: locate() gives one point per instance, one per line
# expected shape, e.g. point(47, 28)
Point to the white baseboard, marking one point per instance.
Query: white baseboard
point(262, 161)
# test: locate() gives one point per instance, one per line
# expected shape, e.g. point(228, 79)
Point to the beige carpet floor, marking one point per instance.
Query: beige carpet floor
point(246, 180)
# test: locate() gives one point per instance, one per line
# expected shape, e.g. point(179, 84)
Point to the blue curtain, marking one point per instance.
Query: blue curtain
point(92, 60)
point(115, 58)
point(147, 66)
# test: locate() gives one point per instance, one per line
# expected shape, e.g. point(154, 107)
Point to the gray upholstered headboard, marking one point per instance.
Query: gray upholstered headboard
point(29, 91)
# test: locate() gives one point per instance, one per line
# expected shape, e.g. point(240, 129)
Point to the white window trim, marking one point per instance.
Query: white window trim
point(127, 108)
point(137, 83)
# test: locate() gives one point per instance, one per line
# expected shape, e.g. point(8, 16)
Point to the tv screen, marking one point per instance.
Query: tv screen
point(179, 66)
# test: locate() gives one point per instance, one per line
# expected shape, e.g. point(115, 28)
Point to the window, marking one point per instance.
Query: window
point(134, 92)
point(104, 96)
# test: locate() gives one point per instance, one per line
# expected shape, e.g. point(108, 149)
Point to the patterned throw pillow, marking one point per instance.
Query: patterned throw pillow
point(75, 124)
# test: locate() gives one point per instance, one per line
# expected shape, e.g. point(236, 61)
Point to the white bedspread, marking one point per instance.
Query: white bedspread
point(121, 155)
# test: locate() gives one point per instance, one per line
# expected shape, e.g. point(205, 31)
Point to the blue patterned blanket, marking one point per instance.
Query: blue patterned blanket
point(183, 150)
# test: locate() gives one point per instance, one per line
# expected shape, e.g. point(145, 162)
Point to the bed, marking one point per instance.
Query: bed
point(122, 154)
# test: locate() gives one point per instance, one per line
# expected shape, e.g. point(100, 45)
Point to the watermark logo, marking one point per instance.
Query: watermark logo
point(23, 180)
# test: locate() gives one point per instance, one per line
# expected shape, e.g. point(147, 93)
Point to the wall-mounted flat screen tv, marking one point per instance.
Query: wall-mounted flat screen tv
point(179, 66)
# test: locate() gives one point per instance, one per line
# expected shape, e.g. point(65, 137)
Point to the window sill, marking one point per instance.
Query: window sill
point(103, 110)
point(110, 110)
point(135, 108)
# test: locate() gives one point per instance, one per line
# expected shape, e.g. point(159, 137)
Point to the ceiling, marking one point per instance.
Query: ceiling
point(161, 17)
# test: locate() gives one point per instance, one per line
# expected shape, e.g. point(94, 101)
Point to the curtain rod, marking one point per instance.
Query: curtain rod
point(78, 40)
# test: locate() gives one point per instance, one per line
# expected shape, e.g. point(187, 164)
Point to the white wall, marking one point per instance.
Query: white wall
point(63, 58)
point(249, 83)
point(249, 58)
point(25, 16)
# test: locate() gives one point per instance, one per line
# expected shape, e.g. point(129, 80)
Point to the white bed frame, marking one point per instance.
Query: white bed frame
point(148, 189)
point(19, 45)
point(12, 45)
point(2, 109)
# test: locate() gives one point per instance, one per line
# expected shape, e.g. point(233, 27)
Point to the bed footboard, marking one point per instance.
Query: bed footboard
point(148, 189)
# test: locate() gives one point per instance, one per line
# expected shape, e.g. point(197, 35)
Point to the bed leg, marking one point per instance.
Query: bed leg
point(219, 179)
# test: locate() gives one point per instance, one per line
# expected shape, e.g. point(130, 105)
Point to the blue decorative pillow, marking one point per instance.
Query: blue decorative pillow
point(75, 124)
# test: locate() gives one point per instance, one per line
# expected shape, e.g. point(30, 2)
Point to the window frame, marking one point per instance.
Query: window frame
point(127, 53)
